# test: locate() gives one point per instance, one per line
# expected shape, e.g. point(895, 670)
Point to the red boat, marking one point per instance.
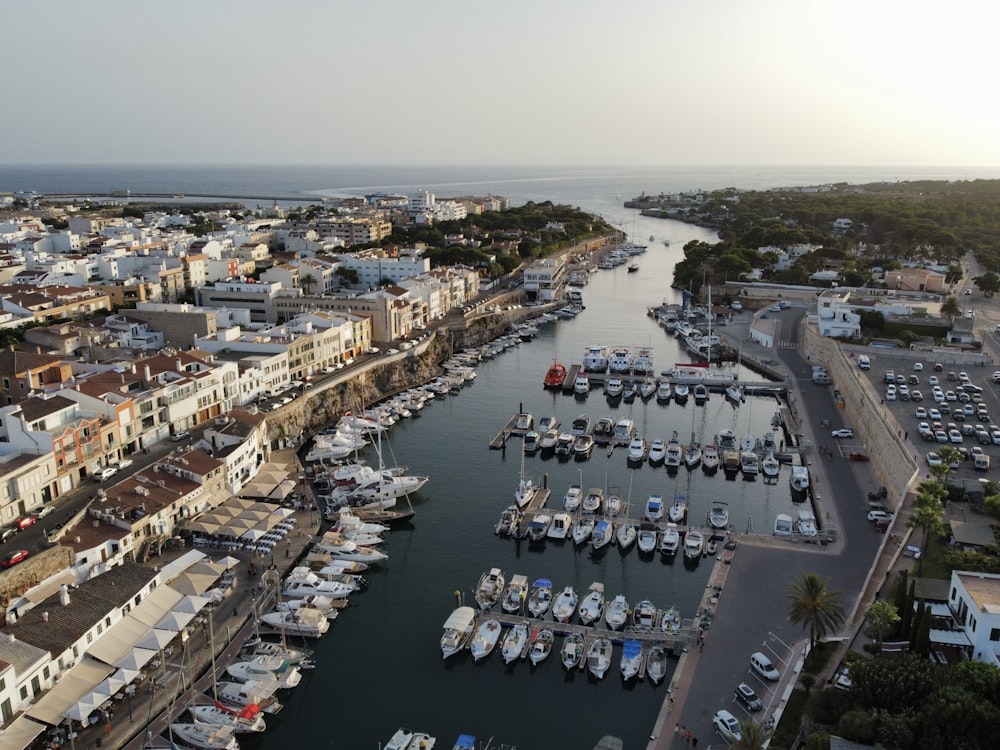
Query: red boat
point(555, 376)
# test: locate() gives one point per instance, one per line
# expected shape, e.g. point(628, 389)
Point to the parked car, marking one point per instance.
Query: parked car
point(106, 473)
point(7, 532)
point(843, 432)
point(24, 522)
point(123, 463)
point(747, 697)
point(858, 456)
point(763, 666)
point(727, 725)
point(43, 511)
point(13, 558)
point(179, 436)
point(879, 515)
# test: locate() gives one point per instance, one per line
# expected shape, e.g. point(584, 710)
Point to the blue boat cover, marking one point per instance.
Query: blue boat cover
point(543, 583)
point(465, 742)
point(631, 648)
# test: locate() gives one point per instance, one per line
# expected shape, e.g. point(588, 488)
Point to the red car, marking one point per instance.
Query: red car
point(856, 456)
point(24, 522)
point(13, 558)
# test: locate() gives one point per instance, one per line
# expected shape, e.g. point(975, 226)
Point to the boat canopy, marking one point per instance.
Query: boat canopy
point(542, 583)
point(631, 648)
point(465, 742)
point(461, 619)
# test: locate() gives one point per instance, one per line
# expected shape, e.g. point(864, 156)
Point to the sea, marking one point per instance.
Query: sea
point(380, 666)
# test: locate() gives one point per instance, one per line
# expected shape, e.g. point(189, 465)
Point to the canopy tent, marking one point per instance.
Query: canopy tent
point(193, 584)
point(174, 621)
point(253, 534)
point(182, 563)
point(20, 732)
point(283, 512)
point(136, 658)
point(84, 707)
point(229, 561)
point(190, 604)
point(160, 601)
point(157, 640)
point(114, 682)
point(75, 685)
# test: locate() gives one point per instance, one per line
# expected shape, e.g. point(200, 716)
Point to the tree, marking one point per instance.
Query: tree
point(307, 281)
point(928, 510)
point(883, 618)
point(989, 283)
point(752, 736)
point(950, 307)
point(949, 457)
point(814, 606)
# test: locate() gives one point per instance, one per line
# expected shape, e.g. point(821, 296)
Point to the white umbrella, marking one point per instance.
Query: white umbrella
point(191, 603)
point(111, 685)
point(229, 561)
point(253, 534)
point(137, 658)
point(174, 621)
point(284, 512)
point(156, 639)
point(83, 708)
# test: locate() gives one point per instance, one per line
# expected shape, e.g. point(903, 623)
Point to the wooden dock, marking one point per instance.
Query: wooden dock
point(498, 441)
point(570, 380)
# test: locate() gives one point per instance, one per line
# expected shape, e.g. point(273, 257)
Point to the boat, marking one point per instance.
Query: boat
point(490, 588)
point(580, 425)
point(302, 585)
point(783, 525)
point(540, 597)
point(603, 534)
point(581, 384)
point(709, 458)
point(726, 439)
point(631, 658)
point(807, 523)
point(573, 498)
point(678, 510)
point(583, 446)
point(670, 540)
point(307, 622)
point(614, 387)
point(617, 612)
point(548, 440)
point(256, 647)
point(642, 363)
point(630, 392)
point(733, 393)
point(644, 615)
point(657, 452)
point(572, 651)
point(583, 527)
point(663, 391)
point(525, 491)
point(238, 695)
point(556, 375)
point(531, 442)
point(565, 605)
point(560, 527)
point(620, 361)
point(718, 515)
point(509, 517)
point(516, 643)
point(458, 631)
point(595, 359)
point(692, 456)
point(731, 461)
point(799, 479)
point(647, 537)
point(345, 549)
point(613, 503)
point(770, 466)
point(485, 640)
point(626, 535)
point(604, 430)
point(564, 445)
point(540, 645)
point(592, 605)
point(712, 545)
point(700, 394)
point(592, 500)
point(694, 544)
point(647, 389)
point(681, 391)
point(674, 452)
point(266, 669)
point(670, 621)
point(523, 422)
point(205, 736)
point(599, 657)
point(637, 450)
point(766, 443)
point(656, 663)
point(654, 508)
point(749, 464)
point(550, 422)
point(246, 719)
point(538, 527)
point(517, 592)
point(400, 740)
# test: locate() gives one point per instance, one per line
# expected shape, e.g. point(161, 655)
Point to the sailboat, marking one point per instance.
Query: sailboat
point(525, 491)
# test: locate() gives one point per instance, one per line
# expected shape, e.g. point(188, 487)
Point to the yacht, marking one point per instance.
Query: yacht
point(612, 503)
point(304, 621)
point(644, 615)
point(643, 362)
point(783, 525)
point(694, 545)
point(670, 541)
point(560, 526)
point(592, 500)
point(770, 466)
point(647, 537)
point(734, 394)
point(678, 510)
point(709, 458)
point(799, 478)
point(540, 597)
point(624, 431)
point(592, 605)
point(657, 452)
point(614, 387)
point(583, 446)
point(621, 361)
point(486, 639)
point(647, 389)
point(458, 631)
point(681, 391)
point(726, 440)
point(700, 394)
point(523, 422)
point(654, 508)
point(626, 535)
point(663, 391)
point(573, 498)
point(548, 423)
point(603, 534)
point(595, 359)
point(547, 442)
point(490, 588)
point(538, 527)
point(599, 657)
point(807, 523)
point(565, 605)
point(674, 452)
point(718, 516)
point(531, 442)
point(631, 661)
point(583, 527)
point(749, 464)
point(581, 385)
point(580, 425)
point(205, 736)
point(604, 430)
point(564, 445)
point(692, 456)
point(514, 597)
point(637, 450)
point(616, 613)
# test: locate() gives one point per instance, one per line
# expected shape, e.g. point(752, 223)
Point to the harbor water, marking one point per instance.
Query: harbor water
point(380, 667)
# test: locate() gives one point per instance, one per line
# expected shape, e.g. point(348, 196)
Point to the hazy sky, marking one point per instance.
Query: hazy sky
point(785, 82)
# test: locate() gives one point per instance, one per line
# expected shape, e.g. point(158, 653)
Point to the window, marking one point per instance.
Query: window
point(994, 635)
point(90, 637)
point(45, 673)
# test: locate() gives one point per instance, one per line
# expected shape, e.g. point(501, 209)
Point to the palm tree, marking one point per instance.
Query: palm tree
point(928, 511)
point(950, 307)
point(307, 282)
point(949, 457)
point(752, 736)
point(815, 606)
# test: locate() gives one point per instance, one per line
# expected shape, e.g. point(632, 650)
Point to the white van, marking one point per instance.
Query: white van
point(981, 462)
point(864, 362)
point(760, 664)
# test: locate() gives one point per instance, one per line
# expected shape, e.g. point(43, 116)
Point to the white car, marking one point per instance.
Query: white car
point(843, 432)
point(727, 725)
point(934, 415)
point(879, 515)
point(933, 459)
point(918, 366)
point(920, 413)
point(890, 393)
point(106, 473)
point(774, 308)
point(955, 436)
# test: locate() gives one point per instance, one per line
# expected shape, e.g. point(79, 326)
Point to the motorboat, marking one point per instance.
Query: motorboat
point(692, 456)
point(573, 498)
point(642, 363)
point(749, 464)
point(663, 391)
point(400, 740)
point(237, 695)
point(637, 450)
point(266, 669)
point(581, 384)
point(709, 458)
point(630, 392)
point(595, 359)
point(517, 592)
point(718, 515)
point(612, 504)
point(748, 443)
point(681, 392)
point(326, 606)
point(550, 422)
point(603, 534)
point(626, 535)
point(647, 537)
point(807, 523)
point(726, 439)
point(256, 647)
point(656, 663)
point(458, 631)
point(532, 441)
point(734, 393)
point(345, 549)
point(620, 361)
point(599, 657)
point(592, 500)
point(572, 651)
point(700, 394)
point(560, 527)
point(617, 612)
point(647, 389)
point(301, 586)
point(347, 521)
point(783, 525)
point(515, 645)
point(555, 376)
point(694, 544)
point(678, 510)
point(540, 645)
point(657, 452)
point(583, 446)
point(624, 431)
point(583, 527)
point(712, 544)
point(565, 605)
point(670, 620)
point(248, 719)
point(644, 615)
point(631, 658)
point(304, 621)
point(592, 605)
point(538, 527)
point(614, 388)
point(523, 422)
point(604, 430)
point(770, 466)
point(731, 461)
point(485, 640)
point(564, 445)
point(766, 443)
point(547, 442)
point(674, 453)
point(670, 540)
point(490, 588)
point(205, 736)
point(799, 479)
point(509, 517)
point(540, 597)
point(654, 508)
point(580, 425)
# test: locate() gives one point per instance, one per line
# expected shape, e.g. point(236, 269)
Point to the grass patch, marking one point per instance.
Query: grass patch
point(787, 730)
point(819, 657)
point(932, 563)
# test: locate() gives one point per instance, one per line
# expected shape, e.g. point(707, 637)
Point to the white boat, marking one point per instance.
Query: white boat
point(256, 647)
point(678, 510)
point(548, 423)
point(583, 527)
point(647, 389)
point(734, 393)
point(700, 394)
point(642, 363)
point(799, 479)
point(583, 446)
point(647, 537)
point(348, 521)
point(807, 523)
point(540, 645)
point(718, 516)
point(595, 359)
point(637, 450)
point(656, 663)
point(726, 439)
point(581, 385)
point(766, 443)
point(674, 452)
point(560, 527)
point(748, 443)
point(400, 740)
point(345, 549)
point(681, 392)
point(599, 657)
point(573, 498)
point(710, 458)
point(265, 669)
point(663, 391)
point(458, 631)
point(604, 430)
point(248, 719)
point(564, 445)
point(614, 387)
point(617, 612)
point(624, 431)
point(525, 491)
point(592, 500)
point(603, 534)
point(572, 651)
point(592, 605)
point(644, 615)
point(515, 645)
point(692, 456)
point(657, 452)
point(490, 588)
point(654, 508)
point(538, 527)
point(620, 361)
point(237, 695)
point(547, 442)
point(565, 605)
point(517, 592)
point(670, 540)
point(304, 621)
point(670, 622)
point(485, 639)
point(579, 426)
point(531, 442)
point(540, 597)
point(301, 586)
point(509, 519)
point(631, 658)
point(783, 525)
point(749, 463)
point(523, 422)
point(626, 535)
point(770, 466)
point(613, 504)
point(205, 736)
point(694, 544)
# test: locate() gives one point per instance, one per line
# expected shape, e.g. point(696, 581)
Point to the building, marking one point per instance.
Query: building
point(974, 603)
point(545, 279)
point(255, 297)
point(835, 317)
point(241, 443)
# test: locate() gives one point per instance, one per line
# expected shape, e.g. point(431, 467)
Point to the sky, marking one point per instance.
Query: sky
point(554, 82)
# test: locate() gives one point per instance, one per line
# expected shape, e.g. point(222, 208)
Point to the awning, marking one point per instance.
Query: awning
point(75, 685)
point(137, 658)
point(161, 600)
point(156, 640)
point(193, 584)
point(191, 604)
point(119, 640)
point(174, 621)
point(950, 637)
point(20, 732)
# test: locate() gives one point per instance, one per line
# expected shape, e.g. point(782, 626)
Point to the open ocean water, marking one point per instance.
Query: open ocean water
point(380, 666)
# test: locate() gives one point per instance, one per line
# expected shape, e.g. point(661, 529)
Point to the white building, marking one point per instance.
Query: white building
point(835, 318)
point(974, 603)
